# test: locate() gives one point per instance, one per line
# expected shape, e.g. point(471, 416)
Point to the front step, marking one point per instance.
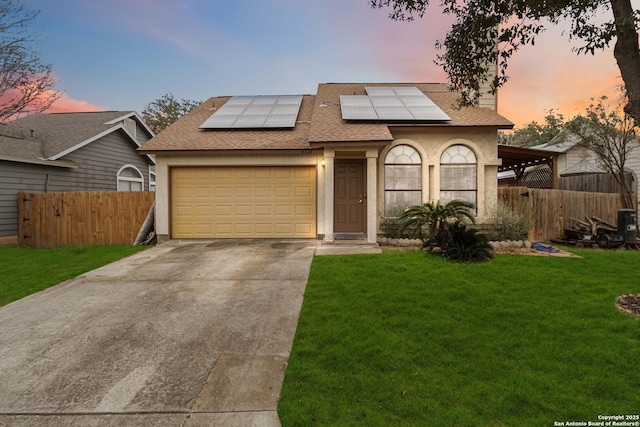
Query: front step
point(349, 236)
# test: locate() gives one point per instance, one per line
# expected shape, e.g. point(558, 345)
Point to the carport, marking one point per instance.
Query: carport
point(518, 159)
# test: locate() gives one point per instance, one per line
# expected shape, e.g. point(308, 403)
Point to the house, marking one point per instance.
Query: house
point(578, 168)
point(91, 151)
point(328, 165)
point(570, 154)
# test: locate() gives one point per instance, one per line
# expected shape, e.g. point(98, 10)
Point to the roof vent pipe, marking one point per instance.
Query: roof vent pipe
point(33, 133)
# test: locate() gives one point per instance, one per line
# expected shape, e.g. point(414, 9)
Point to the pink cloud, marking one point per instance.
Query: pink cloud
point(65, 104)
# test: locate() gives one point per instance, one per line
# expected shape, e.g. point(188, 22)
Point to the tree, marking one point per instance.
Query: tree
point(166, 110)
point(481, 24)
point(432, 215)
point(26, 85)
point(534, 133)
point(611, 135)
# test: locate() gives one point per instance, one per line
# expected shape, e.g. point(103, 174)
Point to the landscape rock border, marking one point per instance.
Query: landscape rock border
point(507, 244)
point(521, 247)
point(629, 304)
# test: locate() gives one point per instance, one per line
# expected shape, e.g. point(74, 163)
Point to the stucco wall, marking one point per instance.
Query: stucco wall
point(432, 142)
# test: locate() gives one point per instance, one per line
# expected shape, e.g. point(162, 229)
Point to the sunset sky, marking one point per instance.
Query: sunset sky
point(123, 54)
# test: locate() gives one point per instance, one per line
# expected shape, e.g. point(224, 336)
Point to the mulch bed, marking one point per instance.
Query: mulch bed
point(629, 304)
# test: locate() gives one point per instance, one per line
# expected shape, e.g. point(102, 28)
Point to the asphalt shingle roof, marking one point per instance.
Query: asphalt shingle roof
point(185, 134)
point(53, 133)
point(319, 121)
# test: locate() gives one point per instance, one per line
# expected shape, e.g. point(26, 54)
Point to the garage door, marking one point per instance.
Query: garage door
point(243, 202)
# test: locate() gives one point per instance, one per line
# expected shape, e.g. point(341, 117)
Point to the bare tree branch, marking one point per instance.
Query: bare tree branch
point(26, 85)
point(612, 136)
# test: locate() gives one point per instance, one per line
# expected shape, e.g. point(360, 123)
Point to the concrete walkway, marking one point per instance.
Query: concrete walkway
point(184, 334)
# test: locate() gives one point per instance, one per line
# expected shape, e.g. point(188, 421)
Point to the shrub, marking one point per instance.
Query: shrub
point(511, 223)
point(467, 245)
point(391, 227)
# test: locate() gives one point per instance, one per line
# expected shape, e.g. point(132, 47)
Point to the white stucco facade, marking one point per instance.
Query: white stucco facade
point(430, 145)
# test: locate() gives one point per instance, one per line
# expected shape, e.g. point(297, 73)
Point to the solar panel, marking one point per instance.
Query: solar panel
point(380, 91)
point(420, 106)
point(397, 112)
point(289, 99)
point(406, 90)
point(391, 103)
point(246, 112)
point(357, 107)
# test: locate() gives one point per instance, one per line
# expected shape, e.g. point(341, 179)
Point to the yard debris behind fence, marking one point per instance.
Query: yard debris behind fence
point(594, 232)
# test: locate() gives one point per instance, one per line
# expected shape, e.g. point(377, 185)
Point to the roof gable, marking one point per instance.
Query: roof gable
point(328, 125)
point(53, 136)
point(561, 143)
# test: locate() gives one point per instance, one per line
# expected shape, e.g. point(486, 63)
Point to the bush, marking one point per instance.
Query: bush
point(466, 245)
point(391, 227)
point(511, 223)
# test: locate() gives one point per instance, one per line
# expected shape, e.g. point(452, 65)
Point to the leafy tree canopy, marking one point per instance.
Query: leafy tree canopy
point(166, 110)
point(26, 85)
point(535, 133)
point(471, 43)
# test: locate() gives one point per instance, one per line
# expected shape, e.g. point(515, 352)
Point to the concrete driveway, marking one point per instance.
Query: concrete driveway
point(183, 334)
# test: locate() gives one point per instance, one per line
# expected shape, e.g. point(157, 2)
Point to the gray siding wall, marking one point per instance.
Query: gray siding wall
point(141, 134)
point(99, 164)
point(16, 177)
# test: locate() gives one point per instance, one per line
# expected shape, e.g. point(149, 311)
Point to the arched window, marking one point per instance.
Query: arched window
point(458, 174)
point(130, 179)
point(402, 179)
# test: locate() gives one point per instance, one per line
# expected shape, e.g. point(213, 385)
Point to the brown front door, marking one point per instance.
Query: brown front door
point(350, 202)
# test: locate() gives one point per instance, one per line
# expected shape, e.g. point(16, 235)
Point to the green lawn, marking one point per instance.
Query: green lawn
point(24, 271)
point(410, 339)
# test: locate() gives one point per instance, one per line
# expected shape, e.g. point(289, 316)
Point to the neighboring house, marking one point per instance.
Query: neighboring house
point(326, 166)
point(575, 159)
point(92, 151)
point(572, 156)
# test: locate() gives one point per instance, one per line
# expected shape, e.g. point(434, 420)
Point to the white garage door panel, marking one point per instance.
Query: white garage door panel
point(243, 202)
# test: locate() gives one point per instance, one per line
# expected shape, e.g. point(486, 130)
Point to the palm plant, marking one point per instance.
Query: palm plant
point(466, 245)
point(430, 215)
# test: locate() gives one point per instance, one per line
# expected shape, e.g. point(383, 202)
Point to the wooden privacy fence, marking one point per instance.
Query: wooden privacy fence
point(49, 220)
point(594, 182)
point(550, 211)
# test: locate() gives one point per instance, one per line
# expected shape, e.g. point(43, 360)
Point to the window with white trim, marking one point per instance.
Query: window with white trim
point(458, 174)
point(130, 179)
point(152, 177)
point(402, 179)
